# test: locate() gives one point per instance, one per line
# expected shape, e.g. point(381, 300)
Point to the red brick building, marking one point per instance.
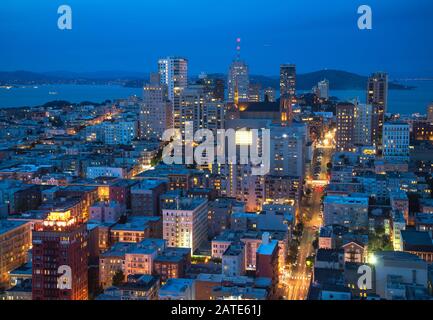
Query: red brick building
point(60, 255)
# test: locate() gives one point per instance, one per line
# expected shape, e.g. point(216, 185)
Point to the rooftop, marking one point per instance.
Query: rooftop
point(267, 248)
point(188, 204)
point(416, 241)
point(330, 255)
point(8, 225)
point(234, 250)
point(139, 282)
point(135, 224)
point(173, 255)
point(346, 200)
point(228, 235)
point(147, 184)
point(25, 269)
point(398, 257)
point(176, 285)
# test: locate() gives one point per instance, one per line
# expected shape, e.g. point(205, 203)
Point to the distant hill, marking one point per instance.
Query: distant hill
point(339, 80)
point(97, 75)
point(23, 77)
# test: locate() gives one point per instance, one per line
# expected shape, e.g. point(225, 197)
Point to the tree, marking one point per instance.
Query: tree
point(379, 241)
point(118, 278)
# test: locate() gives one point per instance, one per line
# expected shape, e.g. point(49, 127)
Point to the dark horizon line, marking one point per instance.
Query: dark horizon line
point(195, 74)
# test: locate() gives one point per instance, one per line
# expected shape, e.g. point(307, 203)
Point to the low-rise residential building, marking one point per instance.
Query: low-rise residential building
point(177, 289)
point(348, 211)
point(233, 260)
point(172, 263)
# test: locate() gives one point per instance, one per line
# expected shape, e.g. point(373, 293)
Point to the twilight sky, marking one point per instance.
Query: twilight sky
point(130, 35)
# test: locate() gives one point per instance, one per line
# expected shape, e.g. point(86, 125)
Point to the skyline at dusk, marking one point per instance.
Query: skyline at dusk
point(216, 159)
point(313, 34)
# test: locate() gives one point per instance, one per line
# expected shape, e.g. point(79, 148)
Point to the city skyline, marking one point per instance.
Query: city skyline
point(180, 184)
point(317, 39)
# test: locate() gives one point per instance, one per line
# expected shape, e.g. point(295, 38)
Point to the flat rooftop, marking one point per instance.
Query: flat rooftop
point(187, 204)
point(234, 250)
point(148, 184)
point(346, 200)
point(267, 248)
point(398, 256)
point(176, 285)
point(173, 254)
point(8, 225)
point(135, 224)
point(25, 269)
point(417, 240)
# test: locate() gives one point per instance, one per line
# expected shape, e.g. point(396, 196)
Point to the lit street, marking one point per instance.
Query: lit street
point(300, 276)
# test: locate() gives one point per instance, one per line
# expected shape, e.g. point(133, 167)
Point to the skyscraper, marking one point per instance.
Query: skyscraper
point(288, 150)
point(212, 86)
point(377, 96)
point(323, 87)
point(60, 254)
point(345, 126)
point(173, 72)
point(287, 92)
point(363, 116)
point(238, 82)
point(156, 113)
point(287, 80)
point(198, 106)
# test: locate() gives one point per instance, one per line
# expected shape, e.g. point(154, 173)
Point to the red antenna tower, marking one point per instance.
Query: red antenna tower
point(238, 48)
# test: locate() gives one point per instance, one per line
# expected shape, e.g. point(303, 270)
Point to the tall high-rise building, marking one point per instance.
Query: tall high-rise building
point(430, 113)
point(156, 113)
point(396, 141)
point(238, 82)
point(288, 150)
point(198, 106)
point(60, 255)
point(377, 96)
point(173, 72)
point(288, 80)
point(287, 92)
point(345, 114)
point(241, 183)
point(323, 87)
point(218, 89)
point(363, 116)
point(214, 87)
